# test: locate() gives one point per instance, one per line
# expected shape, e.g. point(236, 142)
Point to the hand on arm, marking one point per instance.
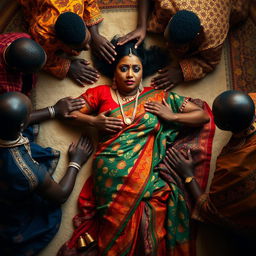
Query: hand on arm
point(167, 78)
point(101, 45)
point(59, 192)
point(192, 115)
point(140, 32)
point(61, 109)
point(184, 167)
point(82, 73)
point(161, 110)
point(102, 121)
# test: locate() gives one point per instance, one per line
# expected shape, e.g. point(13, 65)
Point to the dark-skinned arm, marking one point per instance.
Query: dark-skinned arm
point(192, 115)
point(102, 121)
point(140, 32)
point(59, 192)
point(101, 45)
point(185, 168)
point(61, 109)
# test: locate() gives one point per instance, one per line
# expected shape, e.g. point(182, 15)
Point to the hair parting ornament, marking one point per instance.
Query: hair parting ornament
point(130, 52)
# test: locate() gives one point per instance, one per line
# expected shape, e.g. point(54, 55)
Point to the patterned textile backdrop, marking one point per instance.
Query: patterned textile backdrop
point(242, 41)
point(107, 4)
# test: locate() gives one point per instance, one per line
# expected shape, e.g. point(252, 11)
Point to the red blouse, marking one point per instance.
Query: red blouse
point(100, 99)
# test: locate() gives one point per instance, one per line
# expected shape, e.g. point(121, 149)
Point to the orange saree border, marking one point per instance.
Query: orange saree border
point(137, 182)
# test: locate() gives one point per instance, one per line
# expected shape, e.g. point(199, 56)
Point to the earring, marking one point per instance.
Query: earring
point(141, 86)
point(114, 84)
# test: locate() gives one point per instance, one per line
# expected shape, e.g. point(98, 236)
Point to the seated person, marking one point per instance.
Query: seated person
point(30, 199)
point(61, 27)
point(125, 205)
point(194, 30)
point(231, 201)
point(20, 59)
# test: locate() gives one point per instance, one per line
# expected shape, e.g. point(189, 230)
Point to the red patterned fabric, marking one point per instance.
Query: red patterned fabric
point(10, 80)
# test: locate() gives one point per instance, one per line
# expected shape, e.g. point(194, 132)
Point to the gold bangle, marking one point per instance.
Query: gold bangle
point(189, 179)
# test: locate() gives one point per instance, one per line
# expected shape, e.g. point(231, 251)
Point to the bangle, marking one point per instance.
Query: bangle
point(189, 179)
point(75, 165)
point(51, 111)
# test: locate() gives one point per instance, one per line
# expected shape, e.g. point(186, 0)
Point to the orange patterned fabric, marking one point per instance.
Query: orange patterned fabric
point(41, 16)
point(232, 199)
point(215, 18)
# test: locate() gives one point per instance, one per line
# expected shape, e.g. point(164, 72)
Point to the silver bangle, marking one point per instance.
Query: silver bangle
point(51, 111)
point(74, 165)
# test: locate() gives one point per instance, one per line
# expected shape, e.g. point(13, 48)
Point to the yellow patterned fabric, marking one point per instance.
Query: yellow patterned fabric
point(41, 16)
point(215, 19)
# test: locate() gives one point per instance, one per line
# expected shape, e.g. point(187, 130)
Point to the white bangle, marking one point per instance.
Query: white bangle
point(51, 111)
point(74, 165)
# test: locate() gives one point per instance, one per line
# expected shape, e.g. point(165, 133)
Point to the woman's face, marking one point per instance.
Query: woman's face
point(128, 74)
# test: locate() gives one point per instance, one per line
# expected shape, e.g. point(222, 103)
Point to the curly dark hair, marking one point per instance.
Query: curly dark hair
point(152, 59)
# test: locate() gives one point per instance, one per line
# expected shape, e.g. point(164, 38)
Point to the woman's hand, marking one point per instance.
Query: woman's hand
point(138, 34)
point(183, 166)
point(103, 48)
point(106, 123)
point(161, 110)
point(168, 77)
point(80, 152)
point(65, 106)
point(82, 73)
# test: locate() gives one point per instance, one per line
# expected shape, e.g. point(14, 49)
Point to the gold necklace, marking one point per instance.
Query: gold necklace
point(128, 120)
point(127, 98)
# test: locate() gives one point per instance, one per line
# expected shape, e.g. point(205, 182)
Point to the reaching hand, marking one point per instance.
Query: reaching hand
point(163, 111)
point(66, 105)
point(138, 34)
point(80, 152)
point(82, 73)
point(103, 48)
point(176, 160)
point(168, 77)
point(106, 123)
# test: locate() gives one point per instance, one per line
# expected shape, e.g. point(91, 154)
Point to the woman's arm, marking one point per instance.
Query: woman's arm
point(192, 115)
point(102, 121)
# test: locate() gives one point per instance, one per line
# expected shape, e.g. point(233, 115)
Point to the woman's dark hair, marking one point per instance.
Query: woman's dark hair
point(152, 59)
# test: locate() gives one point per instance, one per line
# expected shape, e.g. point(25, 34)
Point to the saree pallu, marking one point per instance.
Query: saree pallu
point(126, 206)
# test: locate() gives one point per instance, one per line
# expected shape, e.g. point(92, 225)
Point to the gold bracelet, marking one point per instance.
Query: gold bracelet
point(189, 179)
point(74, 165)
